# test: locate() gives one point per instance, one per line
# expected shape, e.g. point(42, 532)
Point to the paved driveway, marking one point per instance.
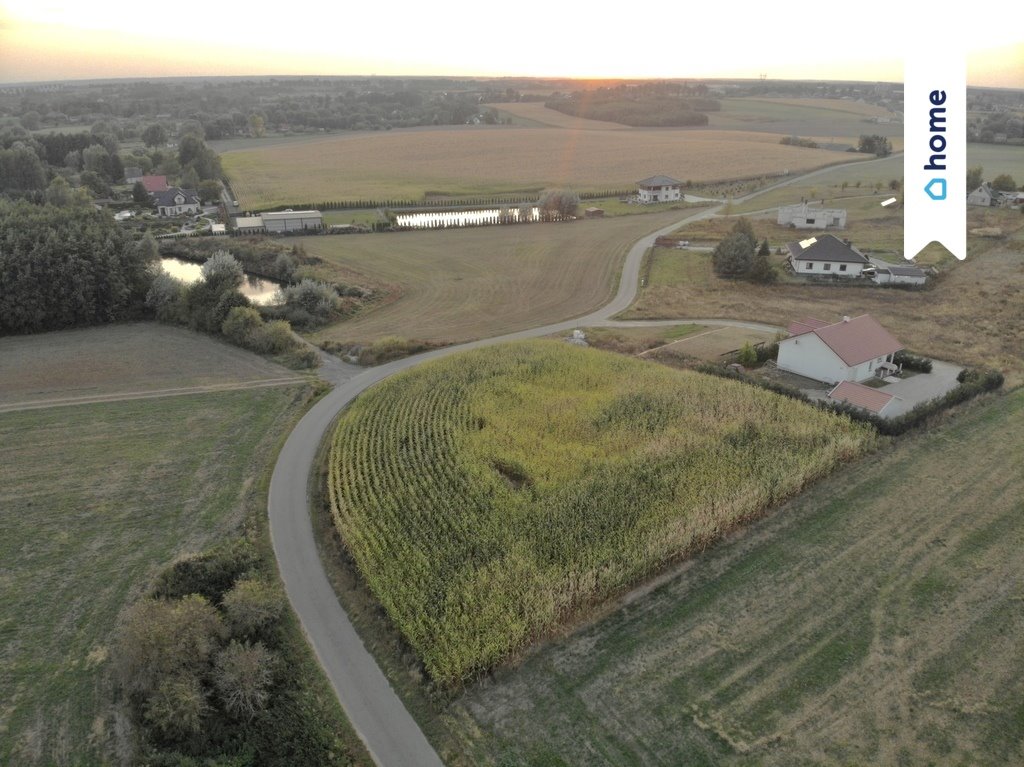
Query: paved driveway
point(922, 387)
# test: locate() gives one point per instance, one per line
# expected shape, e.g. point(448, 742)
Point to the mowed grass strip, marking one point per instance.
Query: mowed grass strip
point(877, 619)
point(489, 497)
point(455, 285)
point(405, 165)
point(96, 500)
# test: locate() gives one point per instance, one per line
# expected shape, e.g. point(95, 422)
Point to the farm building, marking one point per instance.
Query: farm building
point(863, 397)
point(249, 224)
point(176, 201)
point(803, 216)
point(984, 196)
point(293, 220)
point(132, 175)
point(849, 350)
point(659, 189)
point(900, 275)
point(154, 184)
point(826, 255)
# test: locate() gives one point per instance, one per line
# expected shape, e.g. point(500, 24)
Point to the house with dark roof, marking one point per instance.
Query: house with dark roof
point(176, 201)
point(826, 255)
point(854, 349)
point(659, 189)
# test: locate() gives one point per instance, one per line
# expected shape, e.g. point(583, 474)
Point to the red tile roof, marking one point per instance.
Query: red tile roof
point(858, 340)
point(861, 396)
point(806, 325)
point(155, 183)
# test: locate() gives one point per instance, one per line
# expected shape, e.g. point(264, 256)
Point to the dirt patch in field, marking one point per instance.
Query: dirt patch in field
point(131, 358)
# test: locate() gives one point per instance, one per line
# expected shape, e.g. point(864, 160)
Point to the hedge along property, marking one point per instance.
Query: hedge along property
point(492, 496)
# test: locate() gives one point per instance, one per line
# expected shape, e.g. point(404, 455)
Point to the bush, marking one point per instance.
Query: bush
point(242, 326)
point(177, 707)
point(211, 574)
point(747, 356)
point(252, 605)
point(166, 298)
point(912, 362)
point(242, 675)
point(309, 303)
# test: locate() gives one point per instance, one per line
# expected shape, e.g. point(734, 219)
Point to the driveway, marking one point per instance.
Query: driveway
point(922, 387)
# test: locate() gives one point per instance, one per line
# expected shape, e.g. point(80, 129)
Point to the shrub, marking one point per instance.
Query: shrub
point(211, 574)
point(242, 326)
point(177, 706)
point(309, 303)
point(242, 676)
point(747, 356)
point(912, 362)
point(252, 605)
point(166, 297)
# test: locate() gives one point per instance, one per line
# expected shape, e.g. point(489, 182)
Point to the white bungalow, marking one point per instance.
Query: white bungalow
point(826, 255)
point(659, 189)
point(849, 350)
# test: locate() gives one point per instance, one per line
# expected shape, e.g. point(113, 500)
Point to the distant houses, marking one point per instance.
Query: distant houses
point(803, 216)
point(987, 197)
point(826, 255)
point(852, 350)
point(659, 189)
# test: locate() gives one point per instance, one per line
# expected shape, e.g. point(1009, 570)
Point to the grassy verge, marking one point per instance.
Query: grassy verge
point(837, 631)
point(98, 499)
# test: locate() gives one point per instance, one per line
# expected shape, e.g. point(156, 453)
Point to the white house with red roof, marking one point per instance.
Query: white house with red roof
point(849, 350)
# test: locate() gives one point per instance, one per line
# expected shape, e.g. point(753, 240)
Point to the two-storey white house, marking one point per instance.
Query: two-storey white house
point(659, 189)
point(849, 350)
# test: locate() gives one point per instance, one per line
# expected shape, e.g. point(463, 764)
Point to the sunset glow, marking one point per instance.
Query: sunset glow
point(54, 40)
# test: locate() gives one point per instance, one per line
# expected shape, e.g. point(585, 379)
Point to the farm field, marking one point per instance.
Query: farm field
point(136, 358)
point(996, 159)
point(827, 120)
point(96, 500)
point(455, 285)
point(876, 619)
point(972, 313)
point(536, 112)
point(486, 160)
point(490, 497)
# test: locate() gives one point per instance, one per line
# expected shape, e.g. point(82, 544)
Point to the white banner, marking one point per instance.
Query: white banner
point(935, 150)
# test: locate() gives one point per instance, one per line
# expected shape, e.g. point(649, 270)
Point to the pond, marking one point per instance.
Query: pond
point(453, 218)
point(256, 289)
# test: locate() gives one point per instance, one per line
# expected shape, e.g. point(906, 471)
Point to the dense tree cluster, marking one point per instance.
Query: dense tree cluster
point(879, 146)
point(208, 673)
point(737, 256)
point(67, 266)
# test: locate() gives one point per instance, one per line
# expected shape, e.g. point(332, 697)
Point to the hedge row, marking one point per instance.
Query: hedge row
point(453, 202)
point(973, 381)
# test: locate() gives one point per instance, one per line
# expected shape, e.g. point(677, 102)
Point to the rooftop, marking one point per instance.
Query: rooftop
point(826, 247)
point(659, 181)
point(857, 340)
point(861, 396)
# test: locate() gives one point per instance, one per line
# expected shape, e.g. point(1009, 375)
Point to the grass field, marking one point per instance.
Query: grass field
point(486, 160)
point(456, 285)
point(534, 112)
point(491, 496)
point(996, 159)
point(877, 619)
point(97, 499)
point(972, 313)
point(826, 120)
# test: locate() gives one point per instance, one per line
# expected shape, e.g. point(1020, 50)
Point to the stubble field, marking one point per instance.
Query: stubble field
point(456, 285)
point(485, 160)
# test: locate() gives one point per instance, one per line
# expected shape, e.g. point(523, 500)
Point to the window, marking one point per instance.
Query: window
point(810, 266)
point(827, 267)
point(810, 221)
point(842, 267)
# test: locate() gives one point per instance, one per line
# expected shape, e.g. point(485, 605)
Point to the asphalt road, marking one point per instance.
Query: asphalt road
point(390, 733)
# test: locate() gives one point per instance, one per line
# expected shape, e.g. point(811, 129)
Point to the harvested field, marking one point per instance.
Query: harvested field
point(96, 500)
point(455, 285)
point(514, 486)
point(972, 313)
point(485, 160)
point(131, 358)
point(876, 619)
point(826, 120)
point(535, 111)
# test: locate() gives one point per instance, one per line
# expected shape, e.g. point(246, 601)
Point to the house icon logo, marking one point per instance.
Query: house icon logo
point(936, 189)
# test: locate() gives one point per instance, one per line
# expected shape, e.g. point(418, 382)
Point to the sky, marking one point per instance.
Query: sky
point(42, 40)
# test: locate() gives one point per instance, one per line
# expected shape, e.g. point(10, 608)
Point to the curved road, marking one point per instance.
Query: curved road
point(391, 735)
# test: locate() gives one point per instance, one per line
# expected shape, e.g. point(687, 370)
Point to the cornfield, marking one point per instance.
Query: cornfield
point(488, 497)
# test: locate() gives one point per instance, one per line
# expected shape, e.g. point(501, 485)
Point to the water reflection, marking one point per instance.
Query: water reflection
point(257, 290)
point(464, 217)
